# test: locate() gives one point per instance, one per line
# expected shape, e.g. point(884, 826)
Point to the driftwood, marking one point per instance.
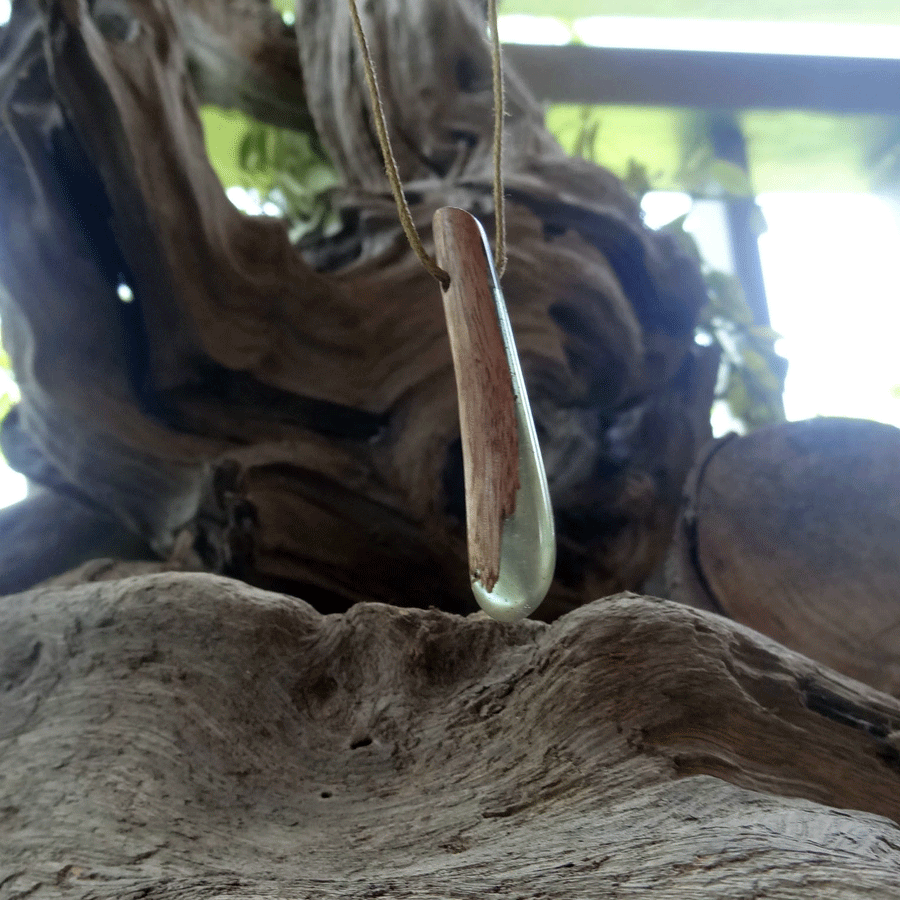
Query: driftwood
point(293, 411)
point(795, 531)
point(186, 736)
point(29, 533)
point(288, 415)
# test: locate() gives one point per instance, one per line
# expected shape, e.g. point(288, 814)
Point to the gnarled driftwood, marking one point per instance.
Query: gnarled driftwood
point(293, 411)
point(184, 736)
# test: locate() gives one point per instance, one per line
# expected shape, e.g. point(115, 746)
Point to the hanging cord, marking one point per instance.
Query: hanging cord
point(499, 113)
point(390, 162)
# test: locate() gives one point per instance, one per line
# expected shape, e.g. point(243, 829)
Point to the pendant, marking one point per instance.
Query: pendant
point(509, 519)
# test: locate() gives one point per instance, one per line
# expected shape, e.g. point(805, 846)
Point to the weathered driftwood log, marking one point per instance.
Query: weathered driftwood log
point(184, 736)
point(48, 533)
point(795, 531)
point(295, 412)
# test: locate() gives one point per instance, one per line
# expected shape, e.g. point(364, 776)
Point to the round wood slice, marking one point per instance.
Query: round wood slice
point(795, 531)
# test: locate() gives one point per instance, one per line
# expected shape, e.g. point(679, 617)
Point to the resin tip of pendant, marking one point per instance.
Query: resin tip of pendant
point(501, 608)
point(521, 588)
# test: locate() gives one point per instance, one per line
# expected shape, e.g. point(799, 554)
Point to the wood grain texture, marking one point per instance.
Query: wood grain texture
point(176, 737)
point(243, 352)
point(795, 531)
point(487, 414)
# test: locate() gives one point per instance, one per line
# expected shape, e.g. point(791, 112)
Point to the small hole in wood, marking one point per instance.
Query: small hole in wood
point(325, 795)
point(362, 742)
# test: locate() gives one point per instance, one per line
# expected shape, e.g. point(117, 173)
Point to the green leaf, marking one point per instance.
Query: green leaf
point(284, 167)
point(226, 133)
point(586, 137)
point(764, 333)
point(730, 178)
point(245, 150)
point(754, 362)
point(758, 224)
point(637, 179)
point(727, 297)
point(686, 242)
point(737, 396)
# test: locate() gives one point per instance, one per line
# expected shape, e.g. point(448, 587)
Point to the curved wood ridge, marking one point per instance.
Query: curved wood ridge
point(184, 736)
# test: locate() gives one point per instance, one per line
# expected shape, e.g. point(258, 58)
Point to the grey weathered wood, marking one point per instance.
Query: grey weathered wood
point(48, 534)
point(185, 736)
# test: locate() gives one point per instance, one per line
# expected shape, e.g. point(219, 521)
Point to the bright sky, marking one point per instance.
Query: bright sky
point(829, 264)
point(4, 11)
point(12, 484)
point(787, 38)
point(638, 32)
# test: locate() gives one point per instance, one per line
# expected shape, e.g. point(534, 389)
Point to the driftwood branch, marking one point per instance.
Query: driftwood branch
point(48, 534)
point(310, 393)
point(177, 736)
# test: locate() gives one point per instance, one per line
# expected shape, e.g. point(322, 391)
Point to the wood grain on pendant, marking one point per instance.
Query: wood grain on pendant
point(487, 412)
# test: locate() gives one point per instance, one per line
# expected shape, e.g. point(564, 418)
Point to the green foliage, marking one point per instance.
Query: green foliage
point(288, 170)
point(291, 173)
point(9, 395)
point(703, 175)
point(751, 380)
point(8, 400)
point(276, 166)
point(637, 180)
point(608, 136)
point(587, 133)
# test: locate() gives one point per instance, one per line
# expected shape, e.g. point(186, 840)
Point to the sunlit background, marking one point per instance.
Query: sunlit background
point(12, 485)
point(830, 258)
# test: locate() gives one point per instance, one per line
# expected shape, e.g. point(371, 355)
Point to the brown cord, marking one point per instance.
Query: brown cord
point(390, 162)
point(499, 114)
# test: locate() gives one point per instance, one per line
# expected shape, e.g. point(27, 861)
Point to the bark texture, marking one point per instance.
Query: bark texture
point(183, 736)
point(294, 411)
point(795, 531)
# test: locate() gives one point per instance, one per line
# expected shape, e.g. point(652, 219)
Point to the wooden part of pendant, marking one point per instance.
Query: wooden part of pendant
point(484, 387)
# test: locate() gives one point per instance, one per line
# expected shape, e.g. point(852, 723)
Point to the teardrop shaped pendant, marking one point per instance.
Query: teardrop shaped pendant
point(509, 518)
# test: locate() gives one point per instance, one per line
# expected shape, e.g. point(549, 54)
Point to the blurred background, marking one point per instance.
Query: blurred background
point(764, 135)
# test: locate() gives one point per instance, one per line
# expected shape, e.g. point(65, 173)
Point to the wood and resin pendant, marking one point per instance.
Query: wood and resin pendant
point(509, 519)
